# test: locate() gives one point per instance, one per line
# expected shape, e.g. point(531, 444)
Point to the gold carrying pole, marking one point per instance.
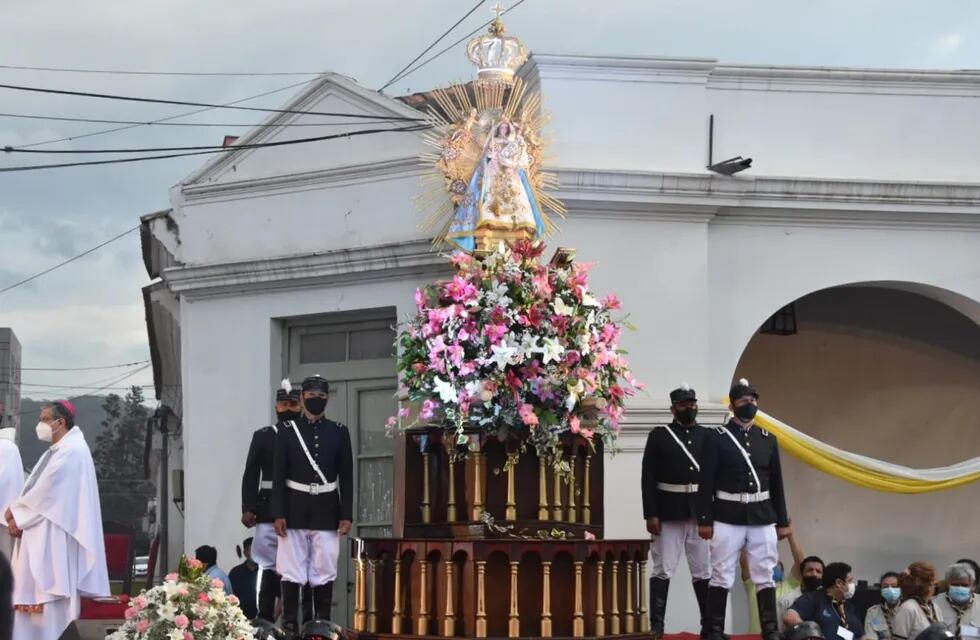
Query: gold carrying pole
point(514, 626)
point(578, 621)
point(359, 608)
point(630, 619)
point(449, 622)
point(587, 497)
point(614, 610)
point(600, 617)
point(556, 512)
point(572, 509)
point(426, 506)
point(511, 511)
point(477, 486)
point(422, 628)
point(481, 603)
point(396, 609)
point(644, 619)
point(372, 614)
point(546, 600)
point(451, 507)
point(542, 490)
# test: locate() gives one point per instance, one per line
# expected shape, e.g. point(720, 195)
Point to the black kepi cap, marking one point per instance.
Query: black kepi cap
point(741, 389)
point(316, 383)
point(286, 391)
point(683, 394)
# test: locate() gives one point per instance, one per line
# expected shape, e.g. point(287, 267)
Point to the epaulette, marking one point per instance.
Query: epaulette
point(720, 429)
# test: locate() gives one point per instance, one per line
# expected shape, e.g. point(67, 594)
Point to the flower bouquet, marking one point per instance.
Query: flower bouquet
point(187, 606)
point(518, 348)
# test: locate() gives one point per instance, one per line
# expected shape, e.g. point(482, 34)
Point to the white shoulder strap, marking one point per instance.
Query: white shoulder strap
point(680, 444)
point(275, 428)
point(748, 461)
point(302, 443)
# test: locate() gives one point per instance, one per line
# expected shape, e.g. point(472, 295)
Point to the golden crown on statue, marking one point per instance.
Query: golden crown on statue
point(496, 56)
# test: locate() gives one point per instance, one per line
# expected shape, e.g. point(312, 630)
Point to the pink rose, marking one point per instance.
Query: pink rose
point(188, 635)
point(130, 613)
point(198, 625)
point(403, 412)
point(217, 584)
point(171, 577)
point(203, 597)
point(181, 621)
point(428, 409)
point(194, 563)
point(183, 592)
point(234, 600)
point(528, 416)
point(142, 626)
point(139, 602)
point(575, 424)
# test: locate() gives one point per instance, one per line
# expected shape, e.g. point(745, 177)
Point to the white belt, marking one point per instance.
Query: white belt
point(312, 489)
point(744, 498)
point(265, 484)
point(677, 488)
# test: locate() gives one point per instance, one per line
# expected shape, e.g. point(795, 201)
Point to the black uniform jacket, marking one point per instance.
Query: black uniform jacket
point(258, 468)
point(723, 468)
point(329, 444)
point(664, 461)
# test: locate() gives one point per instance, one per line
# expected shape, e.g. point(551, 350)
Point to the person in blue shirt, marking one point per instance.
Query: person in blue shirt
point(830, 608)
point(209, 556)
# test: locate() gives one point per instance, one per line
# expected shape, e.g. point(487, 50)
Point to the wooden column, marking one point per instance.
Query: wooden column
point(511, 511)
point(449, 621)
point(360, 613)
point(578, 619)
point(451, 506)
point(481, 602)
point(600, 617)
point(372, 611)
point(426, 501)
point(396, 608)
point(477, 486)
point(587, 491)
point(556, 510)
point(422, 626)
point(572, 509)
point(542, 490)
point(546, 600)
point(644, 619)
point(630, 619)
point(614, 610)
point(514, 626)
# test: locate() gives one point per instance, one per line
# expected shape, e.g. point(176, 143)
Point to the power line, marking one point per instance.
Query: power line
point(145, 123)
point(162, 120)
point(187, 103)
point(429, 48)
point(69, 260)
point(455, 44)
point(61, 165)
point(115, 382)
point(121, 72)
point(108, 366)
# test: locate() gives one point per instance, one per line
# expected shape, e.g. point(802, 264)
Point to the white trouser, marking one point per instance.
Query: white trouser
point(308, 556)
point(759, 543)
point(676, 537)
point(265, 543)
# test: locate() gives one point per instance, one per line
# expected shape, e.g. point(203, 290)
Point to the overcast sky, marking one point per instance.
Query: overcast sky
point(90, 313)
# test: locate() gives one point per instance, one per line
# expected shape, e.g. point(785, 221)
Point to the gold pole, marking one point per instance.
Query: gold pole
point(359, 608)
point(644, 619)
point(542, 490)
point(451, 515)
point(630, 619)
point(614, 610)
point(556, 509)
point(587, 498)
point(422, 628)
point(372, 615)
point(546, 601)
point(514, 628)
point(396, 610)
point(511, 512)
point(600, 618)
point(481, 605)
point(449, 622)
point(572, 510)
point(477, 486)
point(578, 622)
point(426, 509)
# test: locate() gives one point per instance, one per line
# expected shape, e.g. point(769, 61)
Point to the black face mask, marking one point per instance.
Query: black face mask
point(811, 583)
point(686, 417)
point(746, 412)
point(286, 416)
point(315, 406)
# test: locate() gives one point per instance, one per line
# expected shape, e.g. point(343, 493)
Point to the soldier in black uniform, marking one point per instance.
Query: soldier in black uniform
point(669, 485)
point(312, 502)
point(741, 505)
point(256, 496)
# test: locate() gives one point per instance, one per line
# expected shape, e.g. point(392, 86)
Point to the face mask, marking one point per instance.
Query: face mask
point(850, 590)
point(686, 416)
point(285, 416)
point(891, 594)
point(960, 595)
point(315, 405)
point(746, 412)
point(811, 583)
point(44, 432)
point(777, 574)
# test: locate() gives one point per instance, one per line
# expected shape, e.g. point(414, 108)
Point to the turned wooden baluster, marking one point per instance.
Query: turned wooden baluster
point(600, 617)
point(514, 626)
point(449, 622)
point(422, 625)
point(644, 619)
point(426, 501)
point(542, 490)
point(477, 486)
point(396, 609)
point(630, 619)
point(614, 610)
point(556, 510)
point(578, 620)
point(546, 600)
point(451, 506)
point(511, 511)
point(481, 603)
point(587, 497)
point(372, 612)
point(572, 509)
point(360, 620)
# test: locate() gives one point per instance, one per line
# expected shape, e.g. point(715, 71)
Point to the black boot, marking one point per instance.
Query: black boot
point(658, 606)
point(290, 609)
point(701, 593)
point(268, 592)
point(768, 619)
point(323, 600)
point(307, 603)
point(717, 604)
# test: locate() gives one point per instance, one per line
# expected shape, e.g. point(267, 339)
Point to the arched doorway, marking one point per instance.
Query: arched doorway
point(887, 370)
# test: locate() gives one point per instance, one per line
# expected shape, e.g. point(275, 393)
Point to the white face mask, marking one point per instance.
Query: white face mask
point(850, 591)
point(44, 432)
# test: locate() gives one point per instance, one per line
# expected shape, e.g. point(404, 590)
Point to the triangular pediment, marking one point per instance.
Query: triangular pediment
point(330, 93)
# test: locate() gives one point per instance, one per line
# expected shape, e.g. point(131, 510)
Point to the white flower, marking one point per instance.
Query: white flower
point(176, 634)
point(445, 389)
point(588, 300)
point(552, 350)
point(561, 308)
point(583, 344)
point(503, 354)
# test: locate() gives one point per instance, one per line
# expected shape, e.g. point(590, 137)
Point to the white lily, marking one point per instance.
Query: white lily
point(445, 389)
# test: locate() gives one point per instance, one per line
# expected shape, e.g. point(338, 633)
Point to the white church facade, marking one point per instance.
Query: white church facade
point(840, 273)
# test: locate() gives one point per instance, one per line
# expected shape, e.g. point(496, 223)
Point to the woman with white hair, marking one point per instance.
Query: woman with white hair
point(960, 606)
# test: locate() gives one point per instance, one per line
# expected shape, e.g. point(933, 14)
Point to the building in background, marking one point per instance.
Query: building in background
point(840, 274)
point(9, 378)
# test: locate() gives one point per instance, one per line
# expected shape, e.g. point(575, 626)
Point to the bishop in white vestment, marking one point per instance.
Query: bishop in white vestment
point(11, 482)
point(59, 556)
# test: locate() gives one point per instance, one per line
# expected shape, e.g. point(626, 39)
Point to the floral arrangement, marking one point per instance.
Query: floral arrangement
point(187, 606)
point(516, 347)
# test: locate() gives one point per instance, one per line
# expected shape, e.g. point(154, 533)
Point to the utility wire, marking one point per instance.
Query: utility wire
point(87, 163)
point(187, 103)
point(121, 72)
point(455, 44)
point(429, 48)
point(145, 123)
point(112, 384)
point(108, 366)
point(69, 260)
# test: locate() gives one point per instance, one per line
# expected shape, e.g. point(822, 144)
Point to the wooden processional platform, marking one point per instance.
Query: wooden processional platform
point(495, 546)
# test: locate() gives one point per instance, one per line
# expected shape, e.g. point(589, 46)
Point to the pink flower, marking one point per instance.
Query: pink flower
point(217, 584)
point(391, 422)
point(181, 621)
point(495, 332)
point(610, 333)
point(171, 577)
point(142, 626)
point(182, 592)
point(428, 409)
point(541, 285)
point(572, 357)
point(461, 259)
point(203, 597)
point(611, 302)
point(188, 635)
point(589, 535)
point(528, 416)
point(575, 424)
point(617, 392)
point(560, 323)
point(587, 434)
point(455, 354)
point(404, 412)
point(130, 613)
point(194, 563)
point(419, 299)
point(198, 625)
point(461, 290)
point(140, 603)
point(234, 600)
point(467, 368)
